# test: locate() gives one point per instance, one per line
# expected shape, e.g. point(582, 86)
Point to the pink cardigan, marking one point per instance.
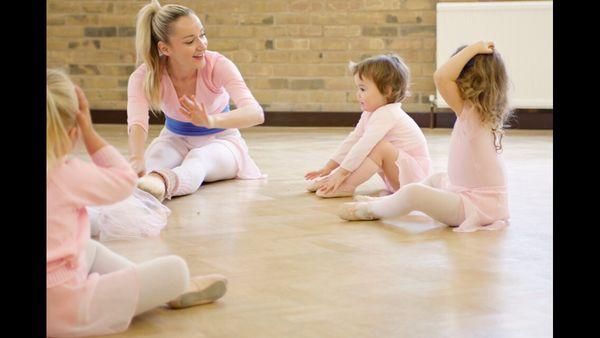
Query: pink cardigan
point(216, 81)
point(389, 123)
point(70, 187)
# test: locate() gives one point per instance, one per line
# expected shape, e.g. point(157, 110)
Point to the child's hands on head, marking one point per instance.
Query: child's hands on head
point(485, 47)
point(84, 118)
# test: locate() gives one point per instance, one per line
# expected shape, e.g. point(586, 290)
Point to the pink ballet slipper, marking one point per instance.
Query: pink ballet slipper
point(202, 290)
point(356, 211)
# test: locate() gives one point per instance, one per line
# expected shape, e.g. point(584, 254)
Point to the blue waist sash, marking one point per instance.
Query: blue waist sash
point(189, 129)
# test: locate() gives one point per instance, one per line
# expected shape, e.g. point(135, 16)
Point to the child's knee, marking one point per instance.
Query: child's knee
point(176, 268)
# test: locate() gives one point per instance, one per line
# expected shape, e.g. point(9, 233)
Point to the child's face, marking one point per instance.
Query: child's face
point(368, 95)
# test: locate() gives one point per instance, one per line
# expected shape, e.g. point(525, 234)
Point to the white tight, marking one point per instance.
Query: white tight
point(210, 162)
point(161, 279)
point(441, 205)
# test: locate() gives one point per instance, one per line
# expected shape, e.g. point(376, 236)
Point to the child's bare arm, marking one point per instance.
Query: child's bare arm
point(445, 77)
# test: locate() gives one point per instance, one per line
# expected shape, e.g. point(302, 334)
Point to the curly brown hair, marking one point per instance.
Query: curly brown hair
point(386, 71)
point(483, 82)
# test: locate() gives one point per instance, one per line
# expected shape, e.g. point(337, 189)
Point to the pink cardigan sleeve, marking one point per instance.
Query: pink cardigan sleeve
point(350, 140)
point(379, 124)
point(226, 74)
point(109, 179)
point(137, 103)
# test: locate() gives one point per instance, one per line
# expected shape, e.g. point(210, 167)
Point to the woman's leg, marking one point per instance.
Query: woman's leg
point(213, 162)
point(164, 153)
point(441, 205)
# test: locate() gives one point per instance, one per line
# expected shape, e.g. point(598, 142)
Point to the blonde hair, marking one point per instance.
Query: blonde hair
point(61, 109)
point(386, 71)
point(483, 82)
point(153, 25)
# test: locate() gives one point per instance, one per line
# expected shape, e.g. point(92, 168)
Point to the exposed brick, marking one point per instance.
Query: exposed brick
point(307, 84)
point(59, 6)
point(55, 19)
point(344, 31)
point(417, 30)
point(273, 56)
point(64, 31)
point(379, 31)
point(292, 19)
point(305, 6)
point(419, 4)
point(97, 7)
point(293, 54)
point(126, 31)
point(328, 44)
point(293, 44)
point(100, 31)
point(256, 19)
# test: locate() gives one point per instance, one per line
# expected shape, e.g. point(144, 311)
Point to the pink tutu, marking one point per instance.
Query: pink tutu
point(411, 168)
point(92, 304)
point(485, 208)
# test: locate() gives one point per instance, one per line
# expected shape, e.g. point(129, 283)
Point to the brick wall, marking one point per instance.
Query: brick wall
point(292, 54)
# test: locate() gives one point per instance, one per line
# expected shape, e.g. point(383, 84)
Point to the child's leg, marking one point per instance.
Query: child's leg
point(384, 155)
point(166, 280)
point(209, 163)
point(441, 205)
point(162, 279)
point(102, 260)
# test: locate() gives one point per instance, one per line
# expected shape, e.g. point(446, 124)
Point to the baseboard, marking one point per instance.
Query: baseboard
point(523, 119)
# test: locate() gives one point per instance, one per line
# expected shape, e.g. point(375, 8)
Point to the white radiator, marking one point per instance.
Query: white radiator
point(521, 32)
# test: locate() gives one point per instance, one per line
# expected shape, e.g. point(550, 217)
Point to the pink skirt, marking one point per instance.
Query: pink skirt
point(92, 304)
point(230, 138)
point(413, 167)
point(485, 208)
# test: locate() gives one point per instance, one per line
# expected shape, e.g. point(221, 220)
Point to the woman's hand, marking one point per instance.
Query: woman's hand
point(334, 181)
point(316, 174)
point(138, 165)
point(195, 112)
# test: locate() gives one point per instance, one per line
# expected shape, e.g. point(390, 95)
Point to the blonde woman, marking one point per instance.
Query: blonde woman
point(91, 290)
point(192, 86)
point(473, 194)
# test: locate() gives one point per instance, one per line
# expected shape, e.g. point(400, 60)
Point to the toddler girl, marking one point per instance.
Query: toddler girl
point(385, 141)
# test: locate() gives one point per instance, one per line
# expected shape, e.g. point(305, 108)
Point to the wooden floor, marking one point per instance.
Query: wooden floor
point(296, 270)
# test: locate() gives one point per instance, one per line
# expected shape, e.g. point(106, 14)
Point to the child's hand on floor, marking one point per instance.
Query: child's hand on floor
point(334, 181)
point(316, 174)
